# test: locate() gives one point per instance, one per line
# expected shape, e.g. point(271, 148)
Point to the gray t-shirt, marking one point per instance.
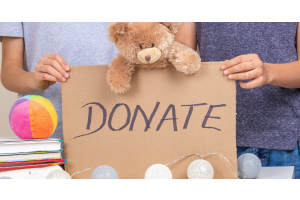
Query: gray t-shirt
point(268, 116)
point(78, 43)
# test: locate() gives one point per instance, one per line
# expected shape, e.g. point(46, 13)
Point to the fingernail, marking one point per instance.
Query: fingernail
point(66, 75)
point(63, 79)
point(230, 77)
point(223, 66)
point(226, 72)
point(67, 67)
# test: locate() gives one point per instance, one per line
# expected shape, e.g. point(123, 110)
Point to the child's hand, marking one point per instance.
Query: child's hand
point(247, 67)
point(50, 69)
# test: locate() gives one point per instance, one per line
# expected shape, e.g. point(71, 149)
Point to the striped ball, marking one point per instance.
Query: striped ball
point(33, 117)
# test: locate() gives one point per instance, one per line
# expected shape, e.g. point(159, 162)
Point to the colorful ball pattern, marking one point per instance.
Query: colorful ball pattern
point(33, 117)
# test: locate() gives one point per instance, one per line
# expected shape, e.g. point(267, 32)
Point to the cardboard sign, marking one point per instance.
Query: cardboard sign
point(165, 115)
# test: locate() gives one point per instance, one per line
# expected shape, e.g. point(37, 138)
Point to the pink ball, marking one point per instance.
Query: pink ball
point(33, 117)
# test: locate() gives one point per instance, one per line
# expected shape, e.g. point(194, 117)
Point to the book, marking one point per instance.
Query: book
point(17, 145)
point(30, 164)
point(18, 154)
point(29, 152)
point(28, 157)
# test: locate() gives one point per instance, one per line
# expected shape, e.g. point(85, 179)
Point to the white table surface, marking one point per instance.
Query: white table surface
point(22, 173)
point(276, 173)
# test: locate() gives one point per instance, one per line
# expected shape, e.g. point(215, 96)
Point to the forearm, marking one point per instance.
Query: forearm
point(17, 80)
point(284, 75)
point(13, 76)
point(187, 35)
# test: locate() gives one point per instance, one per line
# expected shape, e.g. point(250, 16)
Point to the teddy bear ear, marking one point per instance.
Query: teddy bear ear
point(172, 26)
point(116, 29)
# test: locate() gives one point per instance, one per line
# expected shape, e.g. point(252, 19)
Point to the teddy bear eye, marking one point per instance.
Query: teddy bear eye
point(152, 45)
point(141, 47)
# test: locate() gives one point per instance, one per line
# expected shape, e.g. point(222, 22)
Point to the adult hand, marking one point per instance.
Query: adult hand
point(247, 67)
point(50, 69)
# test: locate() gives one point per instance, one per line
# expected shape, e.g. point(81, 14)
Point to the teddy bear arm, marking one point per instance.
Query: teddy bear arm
point(119, 74)
point(184, 59)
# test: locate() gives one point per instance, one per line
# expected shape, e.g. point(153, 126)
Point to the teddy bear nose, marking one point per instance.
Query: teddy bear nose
point(147, 58)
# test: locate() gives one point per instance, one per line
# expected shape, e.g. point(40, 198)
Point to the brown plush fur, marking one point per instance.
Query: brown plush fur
point(147, 45)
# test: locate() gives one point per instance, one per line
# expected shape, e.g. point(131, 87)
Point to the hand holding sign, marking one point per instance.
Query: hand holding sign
point(247, 67)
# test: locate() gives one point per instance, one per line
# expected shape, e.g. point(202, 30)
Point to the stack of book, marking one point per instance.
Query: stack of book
point(18, 154)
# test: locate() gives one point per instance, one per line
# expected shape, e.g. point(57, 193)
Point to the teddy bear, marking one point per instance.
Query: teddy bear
point(147, 45)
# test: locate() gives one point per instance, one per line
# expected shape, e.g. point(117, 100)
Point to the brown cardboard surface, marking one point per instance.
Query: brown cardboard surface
point(131, 152)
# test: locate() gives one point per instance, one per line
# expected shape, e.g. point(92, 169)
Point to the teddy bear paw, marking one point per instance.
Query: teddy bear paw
point(188, 67)
point(119, 87)
point(185, 59)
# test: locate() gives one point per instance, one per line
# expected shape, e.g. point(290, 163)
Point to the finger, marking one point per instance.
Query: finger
point(246, 75)
point(55, 64)
point(60, 59)
point(47, 77)
point(258, 82)
point(51, 71)
point(242, 67)
point(237, 60)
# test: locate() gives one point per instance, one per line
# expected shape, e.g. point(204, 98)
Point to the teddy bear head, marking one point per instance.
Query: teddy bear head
point(143, 42)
